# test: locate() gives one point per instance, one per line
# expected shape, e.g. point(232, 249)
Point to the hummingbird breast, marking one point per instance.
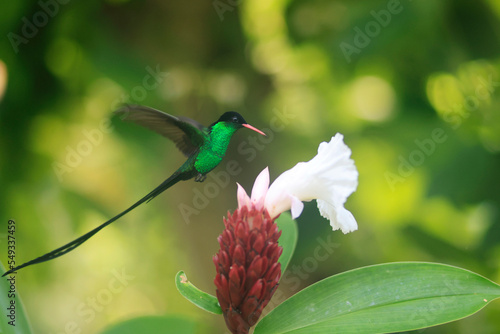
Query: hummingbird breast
point(208, 159)
point(214, 148)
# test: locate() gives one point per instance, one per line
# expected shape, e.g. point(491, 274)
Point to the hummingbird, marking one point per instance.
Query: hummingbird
point(204, 147)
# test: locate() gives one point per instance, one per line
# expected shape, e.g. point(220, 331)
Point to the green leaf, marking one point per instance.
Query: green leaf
point(383, 298)
point(154, 325)
point(288, 238)
point(201, 299)
point(22, 325)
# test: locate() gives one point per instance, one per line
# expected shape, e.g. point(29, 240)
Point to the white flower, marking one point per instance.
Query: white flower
point(330, 177)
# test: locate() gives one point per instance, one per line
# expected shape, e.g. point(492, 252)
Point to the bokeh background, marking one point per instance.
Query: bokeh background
point(414, 86)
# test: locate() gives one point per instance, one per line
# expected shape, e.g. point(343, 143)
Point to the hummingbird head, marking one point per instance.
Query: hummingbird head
point(235, 119)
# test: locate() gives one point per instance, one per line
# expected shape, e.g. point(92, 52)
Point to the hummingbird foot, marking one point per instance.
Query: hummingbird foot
point(200, 178)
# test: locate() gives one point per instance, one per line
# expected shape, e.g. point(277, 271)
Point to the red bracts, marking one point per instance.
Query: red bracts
point(247, 266)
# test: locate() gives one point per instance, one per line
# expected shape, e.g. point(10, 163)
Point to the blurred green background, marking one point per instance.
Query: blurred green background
point(414, 86)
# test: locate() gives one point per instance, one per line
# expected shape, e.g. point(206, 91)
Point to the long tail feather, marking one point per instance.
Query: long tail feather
point(176, 177)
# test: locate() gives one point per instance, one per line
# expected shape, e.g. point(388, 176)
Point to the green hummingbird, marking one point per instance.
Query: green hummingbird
point(204, 148)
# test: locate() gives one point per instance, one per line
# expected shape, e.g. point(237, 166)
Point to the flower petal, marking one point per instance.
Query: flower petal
point(296, 206)
point(260, 187)
point(330, 177)
point(340, 218)
point(243, 199)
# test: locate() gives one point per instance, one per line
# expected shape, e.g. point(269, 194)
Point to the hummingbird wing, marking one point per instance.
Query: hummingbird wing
point(187, 134)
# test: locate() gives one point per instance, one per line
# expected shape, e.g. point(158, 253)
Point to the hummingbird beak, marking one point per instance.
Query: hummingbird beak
point(254, 129)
